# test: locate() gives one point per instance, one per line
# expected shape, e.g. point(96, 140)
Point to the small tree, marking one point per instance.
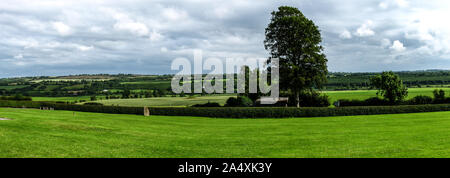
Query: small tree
point(247, 72)
point(439, 96)
point(126, 93)
point(390, 87)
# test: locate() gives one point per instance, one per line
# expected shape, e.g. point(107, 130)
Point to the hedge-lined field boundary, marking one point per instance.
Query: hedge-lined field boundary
point(234, 112)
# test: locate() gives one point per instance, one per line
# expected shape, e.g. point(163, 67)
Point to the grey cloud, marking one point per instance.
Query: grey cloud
point(127, 36)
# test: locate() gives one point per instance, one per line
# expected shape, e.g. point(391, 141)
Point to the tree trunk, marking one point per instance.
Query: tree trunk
point(298, 99)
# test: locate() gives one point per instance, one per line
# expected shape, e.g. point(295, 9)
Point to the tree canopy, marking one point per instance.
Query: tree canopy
point(390, 86)
point(295, 41)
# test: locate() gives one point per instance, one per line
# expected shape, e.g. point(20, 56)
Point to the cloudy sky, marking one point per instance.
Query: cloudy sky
point(61, 37)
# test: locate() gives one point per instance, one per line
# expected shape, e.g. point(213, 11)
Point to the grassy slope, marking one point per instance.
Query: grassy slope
point(35, 133)
point(364, 94)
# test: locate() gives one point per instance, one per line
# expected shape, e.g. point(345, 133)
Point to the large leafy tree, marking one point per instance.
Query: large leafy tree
point(295, 41)
point(390, 86)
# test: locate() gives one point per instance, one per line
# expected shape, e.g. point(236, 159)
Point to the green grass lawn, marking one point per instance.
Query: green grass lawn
point(364, 94)
point(166, 101)
point(35, 133)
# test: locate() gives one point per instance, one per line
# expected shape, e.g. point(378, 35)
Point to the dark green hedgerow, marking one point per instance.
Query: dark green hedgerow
point(224, 112)
point(237, 112)
point(73, 107)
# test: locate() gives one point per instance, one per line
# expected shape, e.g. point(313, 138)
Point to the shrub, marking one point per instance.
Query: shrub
point(310, 99)
point(93, 103)
point(240, 101)
point(374, 101)
point(17, 97)
point(346, 102)
point(447, 100)
point(231, 102)
point(420, 100)
point(207, 105)
point(439, 96)
point(314, 100)
point(244, 101)
point(20, 104)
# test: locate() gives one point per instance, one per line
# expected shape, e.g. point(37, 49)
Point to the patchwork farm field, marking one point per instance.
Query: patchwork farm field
point(36, 133)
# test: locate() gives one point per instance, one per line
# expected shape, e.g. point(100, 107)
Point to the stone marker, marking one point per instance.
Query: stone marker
point(146, 111)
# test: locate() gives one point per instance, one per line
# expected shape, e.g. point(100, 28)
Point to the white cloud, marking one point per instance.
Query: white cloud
point(401, 3)
point(385, 43)
point(125, 23)
point(345, 35)
point(136, 28)
point(383, 5)
point(85, 48)
point(174, 14)
point(365, 29)
point(398, 46)
point(222, 12)
point(62, 28)
point(155, 36)
point(393, 3)
point(428, 28)
point(34, 25)
point(96, 29)
point(19, 56)
point(164, 49)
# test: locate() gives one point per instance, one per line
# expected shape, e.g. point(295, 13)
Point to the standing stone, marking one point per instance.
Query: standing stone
point(146, 111)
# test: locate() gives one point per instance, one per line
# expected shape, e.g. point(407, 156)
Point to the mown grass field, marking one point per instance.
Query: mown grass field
point(166, 101)
point(364, 94)
point(186, 101)
point(36, 133)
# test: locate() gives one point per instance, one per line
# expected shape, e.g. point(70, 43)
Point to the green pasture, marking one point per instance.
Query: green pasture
point(65, 134)
point(166, 101)
point(65, 99)
point(364, 94)
point(12, 87)
point(221, 99)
